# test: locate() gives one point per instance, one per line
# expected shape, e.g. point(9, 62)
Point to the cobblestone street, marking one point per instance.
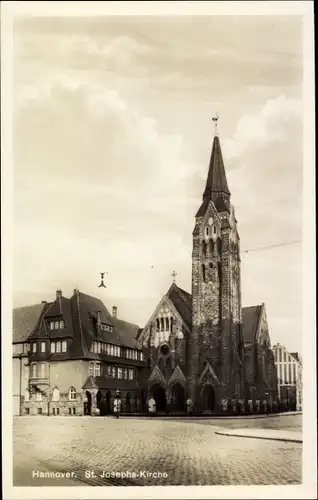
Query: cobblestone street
point(187, 451)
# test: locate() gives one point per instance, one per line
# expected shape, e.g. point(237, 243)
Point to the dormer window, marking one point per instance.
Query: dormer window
point(57, 325)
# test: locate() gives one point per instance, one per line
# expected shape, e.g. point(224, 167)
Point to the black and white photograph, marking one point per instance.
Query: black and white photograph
point(158, 250)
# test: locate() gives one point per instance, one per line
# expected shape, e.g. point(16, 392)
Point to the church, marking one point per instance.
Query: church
point(71, 355)
point(205, 346)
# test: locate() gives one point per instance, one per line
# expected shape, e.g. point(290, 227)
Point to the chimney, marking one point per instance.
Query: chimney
point(114, 311)
point(58, 293)
point(43, 302)
point(59, 298)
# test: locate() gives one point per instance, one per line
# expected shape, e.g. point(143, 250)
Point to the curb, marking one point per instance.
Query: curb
point(288, 440)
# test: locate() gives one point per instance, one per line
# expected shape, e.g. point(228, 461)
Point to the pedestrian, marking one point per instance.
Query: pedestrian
point(117, 404)
point(152, 406)
point(189, 407)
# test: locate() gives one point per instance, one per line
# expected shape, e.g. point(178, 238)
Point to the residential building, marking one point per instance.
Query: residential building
point(289, 372)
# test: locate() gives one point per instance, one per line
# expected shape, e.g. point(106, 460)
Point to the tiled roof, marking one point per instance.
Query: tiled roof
point(182, 301)
point(250, 322)
point(128, 333)
point(25, 320)
point(110, 383)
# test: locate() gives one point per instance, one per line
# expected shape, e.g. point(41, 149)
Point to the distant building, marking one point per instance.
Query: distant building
point(289, 373)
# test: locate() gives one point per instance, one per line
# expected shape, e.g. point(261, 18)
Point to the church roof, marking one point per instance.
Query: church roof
point(182, 301)
point(250, 316)
point(216, 184)
point(24, 320)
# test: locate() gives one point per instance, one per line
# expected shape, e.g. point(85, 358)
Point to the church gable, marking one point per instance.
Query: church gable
point(208, 376)
point(156, 376)
point(177, 377)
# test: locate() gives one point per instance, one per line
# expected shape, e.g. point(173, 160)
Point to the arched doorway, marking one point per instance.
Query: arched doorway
point(88, 404)
point(208, 398)
point(159, 396)
point(108, 403)
point(101, 403)
point(177, 398)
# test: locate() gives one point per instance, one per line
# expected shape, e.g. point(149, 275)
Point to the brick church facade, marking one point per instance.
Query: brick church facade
point(71, 355)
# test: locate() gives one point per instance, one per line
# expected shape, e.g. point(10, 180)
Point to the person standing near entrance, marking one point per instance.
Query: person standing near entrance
point(152, 406)
point(117, 404)
point(189, 407)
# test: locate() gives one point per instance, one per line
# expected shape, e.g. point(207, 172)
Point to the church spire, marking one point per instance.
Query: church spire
point(216, 188)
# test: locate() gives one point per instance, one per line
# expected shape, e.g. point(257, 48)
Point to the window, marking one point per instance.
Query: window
point(91, 369)
point(162, 324)
point(98, 347)
point(57, 411)
point(120, 373)
point(108, 349)
point(55, 394)
point(52, 347)
point(290, 380)
point(43, 370)
point(125, 373)
point(58, 346)
point(74, 411)
point(34, 370)
point(53, 411)
point(112, 350)
point(141, 356)
point(34, 347)
point(43, 346)
point(61, 324)
point(39, 396)
point(26, 395)
point(207, 231)
point(294, 373)
point(64, 346)
point(51, 325)
point(167, 324)
point(113, 372)
point(56, 325)
point(157, 325)
point(97, 370)
point(109, 371)
point(214, 229)
point(131, 374)
point(27, 411)
point(70, 411)
point(72, 394)
point(203, 272)
point(211, 245)
point(171, 324)
point(39, 411)
point(203, 248)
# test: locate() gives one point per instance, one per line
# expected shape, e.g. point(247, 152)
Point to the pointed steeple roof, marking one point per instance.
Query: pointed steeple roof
point(216, 188)
point(216, 182)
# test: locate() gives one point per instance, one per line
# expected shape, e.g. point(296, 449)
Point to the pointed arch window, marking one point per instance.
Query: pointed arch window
point(204, 248)
point(55, 394)
point(157, 324)
point(211, 246)
point(203, 273)
point(171, 324)
point(167, 325)
point(162, 324)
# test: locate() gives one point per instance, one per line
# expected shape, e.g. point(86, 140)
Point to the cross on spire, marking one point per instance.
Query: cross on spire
point(174, 275)
point(215, 119)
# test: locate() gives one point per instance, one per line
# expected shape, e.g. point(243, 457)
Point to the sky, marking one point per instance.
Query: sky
point(112, 136)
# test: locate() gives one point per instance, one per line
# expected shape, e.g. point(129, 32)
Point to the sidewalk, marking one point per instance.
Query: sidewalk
point(210, 417)
point(272, 434)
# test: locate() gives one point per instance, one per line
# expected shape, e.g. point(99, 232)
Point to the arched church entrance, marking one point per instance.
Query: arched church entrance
point(208, 398)
point(159, 395)
point(177, 398)
point(88, 404)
